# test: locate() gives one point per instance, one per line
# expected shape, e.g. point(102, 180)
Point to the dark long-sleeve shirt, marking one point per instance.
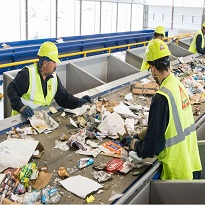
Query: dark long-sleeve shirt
point(199, 49)
point(154, 140)
point(20, 85)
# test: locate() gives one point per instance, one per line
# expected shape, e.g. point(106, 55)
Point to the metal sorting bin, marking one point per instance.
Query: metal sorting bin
point(103, 68)
point(171, 192)
point(151, 191)
point(81, 74)
point(135, 56)
point(178, 51)
point(185, 42)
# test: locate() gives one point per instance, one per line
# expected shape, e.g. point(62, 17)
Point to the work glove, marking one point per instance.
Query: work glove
point(125, 141)
point(83, 100)
point(26, 111)
point(129, 142)
point(142, 133)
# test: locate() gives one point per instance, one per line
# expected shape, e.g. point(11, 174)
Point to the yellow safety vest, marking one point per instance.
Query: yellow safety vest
point(34, 97)
point(180, 158)
point(192, 47)
point(145, 65)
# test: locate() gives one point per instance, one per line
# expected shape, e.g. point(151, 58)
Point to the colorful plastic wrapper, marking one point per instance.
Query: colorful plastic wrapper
point(84, 162)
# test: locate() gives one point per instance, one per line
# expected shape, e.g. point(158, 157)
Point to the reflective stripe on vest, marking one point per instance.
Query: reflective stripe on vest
point(180, 133)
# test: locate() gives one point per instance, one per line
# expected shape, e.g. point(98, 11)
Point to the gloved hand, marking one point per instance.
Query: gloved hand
point(26, 111)
point(125, 141)
point(142, 133)
point(83, 100)
point(129, 141)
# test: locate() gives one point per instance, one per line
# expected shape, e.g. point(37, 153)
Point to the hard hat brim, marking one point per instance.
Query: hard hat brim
point(56, 60)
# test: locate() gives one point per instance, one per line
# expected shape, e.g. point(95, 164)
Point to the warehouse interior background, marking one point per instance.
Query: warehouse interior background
point(86, 35)
point(32, 19)
point(38, 19)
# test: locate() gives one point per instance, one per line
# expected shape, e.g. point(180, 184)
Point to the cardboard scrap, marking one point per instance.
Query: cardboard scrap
point(108, 104)
point(53, 109)
point(141, 89)
point(196, 99)
point(42, 180)
point(111, 155)
point(8, 201)
point(40, 148)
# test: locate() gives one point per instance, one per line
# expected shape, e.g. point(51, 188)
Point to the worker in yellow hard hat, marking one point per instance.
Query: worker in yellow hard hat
point(38, 85)
point(171, 134)
point(159, 33)
point(197, 44)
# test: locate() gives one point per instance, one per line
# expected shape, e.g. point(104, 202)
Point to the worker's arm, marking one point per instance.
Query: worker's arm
point(64, 98)
point(154, 140)
point(199, 49)
point(17, 88)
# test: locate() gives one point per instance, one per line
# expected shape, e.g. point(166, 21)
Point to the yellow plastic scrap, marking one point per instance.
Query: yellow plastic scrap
point(26, 173)
point(90, 199)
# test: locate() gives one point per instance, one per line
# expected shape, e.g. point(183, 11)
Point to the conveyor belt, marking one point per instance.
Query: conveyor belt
point(56, 158)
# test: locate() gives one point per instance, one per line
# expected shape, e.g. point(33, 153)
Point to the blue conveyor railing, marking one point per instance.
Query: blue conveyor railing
point(25, 50)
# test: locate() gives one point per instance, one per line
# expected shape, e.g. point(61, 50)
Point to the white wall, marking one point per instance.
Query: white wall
point(10, 23)
point(35, 19)
point(181, 18)
point(45, 19)
point(183, 3)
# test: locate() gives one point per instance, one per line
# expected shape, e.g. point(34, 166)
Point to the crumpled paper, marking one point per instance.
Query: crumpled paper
point(42, 122)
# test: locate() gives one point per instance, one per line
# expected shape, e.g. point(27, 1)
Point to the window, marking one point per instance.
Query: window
point(108, 17)
point(68, 18)
point(137, 17)
point(41, 24)
point(11, 21)
point(90, 21)
point(123, 19)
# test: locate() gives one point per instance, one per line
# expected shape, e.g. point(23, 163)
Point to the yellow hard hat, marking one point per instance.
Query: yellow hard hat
point(203, 24)
point(160, 30)
point(156, 49)
point(49, 50)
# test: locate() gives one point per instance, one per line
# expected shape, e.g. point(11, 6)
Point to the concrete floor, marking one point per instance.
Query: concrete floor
point(1, 105)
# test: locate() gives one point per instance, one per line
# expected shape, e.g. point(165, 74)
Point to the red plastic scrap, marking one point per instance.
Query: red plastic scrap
point(114, 165)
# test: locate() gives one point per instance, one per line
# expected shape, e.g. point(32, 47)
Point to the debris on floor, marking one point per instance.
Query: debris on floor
point(93, 131)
